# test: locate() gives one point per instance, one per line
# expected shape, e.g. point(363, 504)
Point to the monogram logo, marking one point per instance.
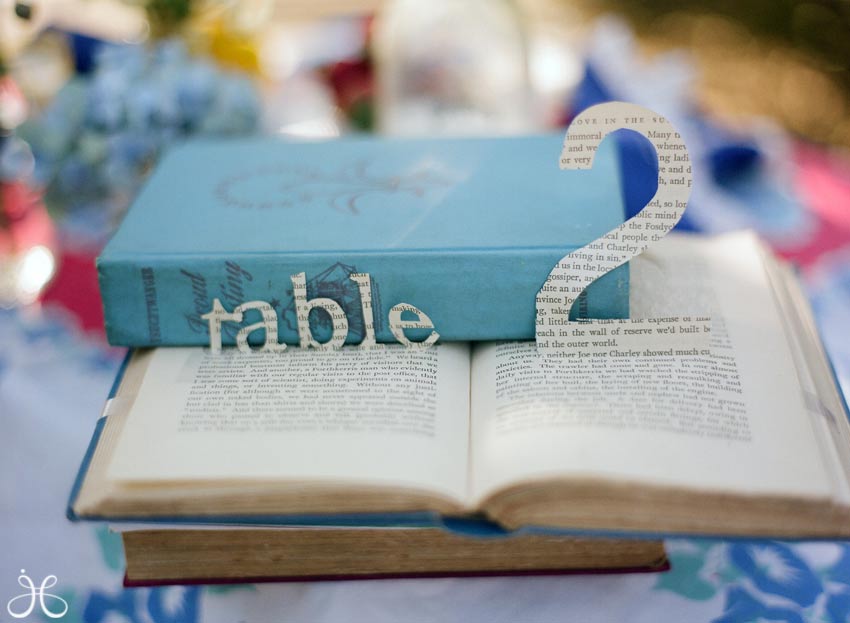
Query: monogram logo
point(38, 593)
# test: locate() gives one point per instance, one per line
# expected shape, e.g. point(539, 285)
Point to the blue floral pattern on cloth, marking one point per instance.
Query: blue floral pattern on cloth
point(160, 605)
point(763, 581)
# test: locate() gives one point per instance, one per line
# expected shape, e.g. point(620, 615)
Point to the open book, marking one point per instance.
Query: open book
point(751, 439)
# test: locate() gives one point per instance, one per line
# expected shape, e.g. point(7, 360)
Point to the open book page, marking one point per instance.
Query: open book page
point(394, 416)
point(820, 394)
point(734, 421)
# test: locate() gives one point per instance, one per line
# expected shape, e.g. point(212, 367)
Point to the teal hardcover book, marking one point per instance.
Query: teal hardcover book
point(466, 230)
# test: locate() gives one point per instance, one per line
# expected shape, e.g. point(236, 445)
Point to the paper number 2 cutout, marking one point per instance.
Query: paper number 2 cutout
point(569, 278)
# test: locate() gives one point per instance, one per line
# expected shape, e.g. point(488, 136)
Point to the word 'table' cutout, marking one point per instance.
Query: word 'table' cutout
point(303, 306)
point(555, 333)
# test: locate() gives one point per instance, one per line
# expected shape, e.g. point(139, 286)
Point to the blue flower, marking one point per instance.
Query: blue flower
point(838, 607)
point(164, 605)
point(164, 608)
point(742, 607)
point(101, 605)
point(775, 569)
point(840, 571)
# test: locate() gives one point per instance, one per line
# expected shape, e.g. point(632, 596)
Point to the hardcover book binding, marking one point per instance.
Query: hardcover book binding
point(467, 230)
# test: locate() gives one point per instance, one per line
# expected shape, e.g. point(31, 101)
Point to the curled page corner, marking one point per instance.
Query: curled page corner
point(555, 333)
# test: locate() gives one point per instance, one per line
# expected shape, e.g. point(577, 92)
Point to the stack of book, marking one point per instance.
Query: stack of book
point(474, 456)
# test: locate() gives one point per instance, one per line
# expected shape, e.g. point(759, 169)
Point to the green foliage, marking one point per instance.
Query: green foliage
point(168, 15)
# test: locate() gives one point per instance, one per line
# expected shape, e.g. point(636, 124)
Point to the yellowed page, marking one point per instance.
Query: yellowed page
point(393, 416)
point(733, 422)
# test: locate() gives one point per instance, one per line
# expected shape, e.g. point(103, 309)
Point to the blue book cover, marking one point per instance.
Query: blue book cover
point(467, 230)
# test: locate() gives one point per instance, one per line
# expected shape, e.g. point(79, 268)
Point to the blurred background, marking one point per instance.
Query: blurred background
point(93, 92)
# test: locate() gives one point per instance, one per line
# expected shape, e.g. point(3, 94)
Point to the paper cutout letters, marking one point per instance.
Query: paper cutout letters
point(555, 332)
point(303, 307)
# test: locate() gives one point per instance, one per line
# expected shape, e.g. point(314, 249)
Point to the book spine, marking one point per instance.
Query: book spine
point(469, 295)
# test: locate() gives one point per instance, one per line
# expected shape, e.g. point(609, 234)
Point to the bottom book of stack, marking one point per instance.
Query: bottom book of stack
point(235, 554)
